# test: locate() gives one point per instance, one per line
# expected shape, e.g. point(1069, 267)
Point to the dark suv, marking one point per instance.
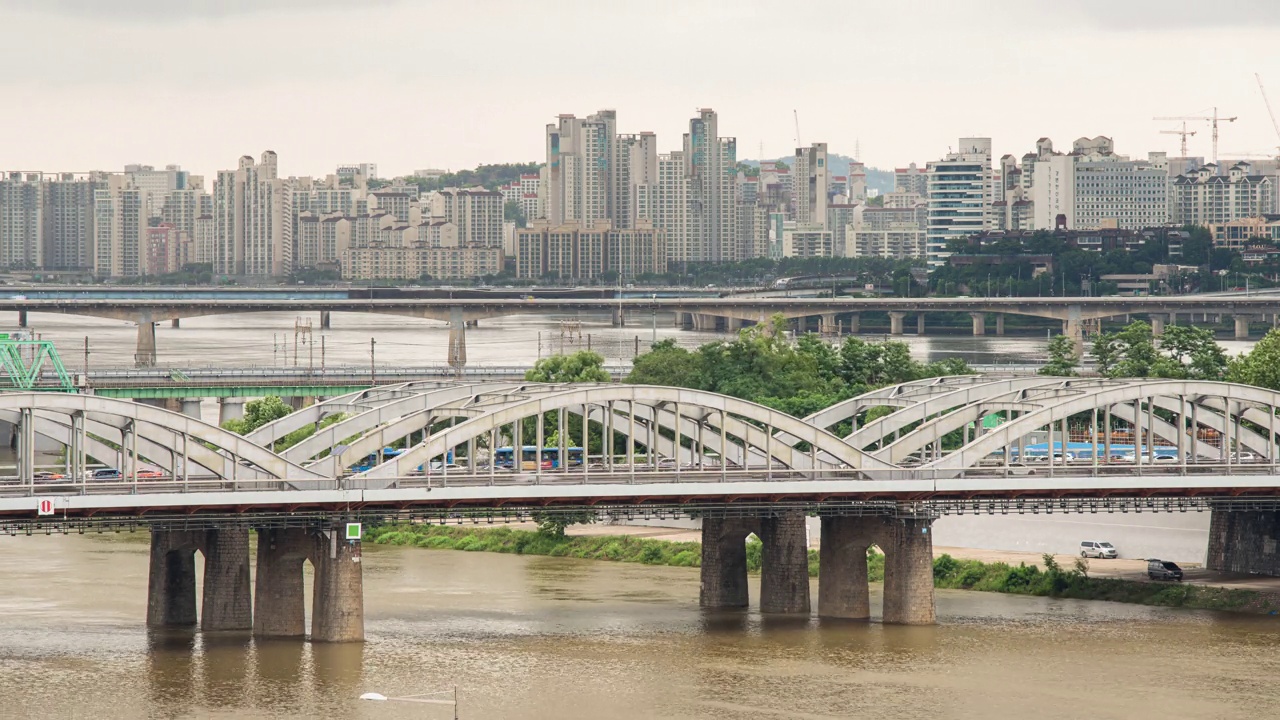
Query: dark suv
point(1163, 570)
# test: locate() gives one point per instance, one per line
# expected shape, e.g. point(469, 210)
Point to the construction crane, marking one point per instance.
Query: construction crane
point(1213, 120)
point(1262, 89)
point(1184, 132)
point(796, 114)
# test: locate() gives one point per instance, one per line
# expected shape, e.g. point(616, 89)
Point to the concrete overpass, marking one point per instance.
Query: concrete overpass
point(837, 314)
point(1153, 446)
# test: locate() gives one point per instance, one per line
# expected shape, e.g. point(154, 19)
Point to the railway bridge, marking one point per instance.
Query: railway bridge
point(878, 469)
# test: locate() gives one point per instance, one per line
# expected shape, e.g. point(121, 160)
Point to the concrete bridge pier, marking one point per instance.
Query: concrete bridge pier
point(895, 322)
point(920, 324)
point(1242, 326)
point(979, 323)
point(326, 320)
point(828, 325)
point(337, 611)
point(230, 408)
point(145, 355)
point(619, 317)
point(191, 407)
point(22, 318)
point(908, 572)
point(784, 565)
point(855, 324)
point(999, 323)
point(171, 591)
point(279, 607)
point(724, 563)
point(1157, 325)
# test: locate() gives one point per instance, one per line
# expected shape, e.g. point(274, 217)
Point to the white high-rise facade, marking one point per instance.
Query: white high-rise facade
point(1092, 187)
point(961, 192)
point(253, 210)
point(120, 228)
point(711, 167)
point(665, 203)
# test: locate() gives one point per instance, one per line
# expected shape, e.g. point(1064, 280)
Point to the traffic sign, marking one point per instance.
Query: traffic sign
point(44, 506)
point(353, 531)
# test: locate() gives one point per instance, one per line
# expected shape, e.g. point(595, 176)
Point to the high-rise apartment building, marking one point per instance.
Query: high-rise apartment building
point(711, 169)
point(253, 209)
point(68, 230)
point(960, 192)
point(22, 219)
point(635, 163)
point(120, 229)
point(157, 184)
point(477, 212)
point(809, 192)
point(666, 204)
point(1205, 197)
point(911, 179)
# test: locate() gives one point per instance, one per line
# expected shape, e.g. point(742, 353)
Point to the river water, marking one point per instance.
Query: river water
point(533, 637)
point(267, 339)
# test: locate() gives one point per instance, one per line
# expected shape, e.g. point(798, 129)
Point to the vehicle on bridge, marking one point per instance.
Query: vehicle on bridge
point(504, 457)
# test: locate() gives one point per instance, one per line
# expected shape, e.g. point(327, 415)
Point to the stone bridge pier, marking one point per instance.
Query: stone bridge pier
point(1244, 541)
point(276, 607)
point(842, 583)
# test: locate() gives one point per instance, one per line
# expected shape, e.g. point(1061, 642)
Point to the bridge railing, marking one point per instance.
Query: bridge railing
point(1039, 476)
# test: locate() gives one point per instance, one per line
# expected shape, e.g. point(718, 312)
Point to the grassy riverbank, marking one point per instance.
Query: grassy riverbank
point(1048, 580)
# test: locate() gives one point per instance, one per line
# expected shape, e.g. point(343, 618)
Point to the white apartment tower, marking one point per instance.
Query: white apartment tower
point(120, 228)
point(22, 208)
point(635, 163)
point(961, 192)
point(665, 203)
point(809, 191)
point(1092, 187)
point(253, 209)
point(711, 167)
point(579, 155)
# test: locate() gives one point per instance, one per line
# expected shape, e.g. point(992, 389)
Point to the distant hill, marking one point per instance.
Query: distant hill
point(881, 180)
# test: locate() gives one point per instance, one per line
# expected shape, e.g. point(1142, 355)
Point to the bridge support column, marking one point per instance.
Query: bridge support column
point(1244, 542)
point(908, 572)
point(230, 408)
point(1242, 326)
point(1073, 327)
point(855, 324)
point(326, 321)
point(145, 355)
point(22, 318)
point(171, 586)
point(226, 604)
point(895, 322)
point(1000, 324)
point(618, 317)
point(279, 609)
point(724, 563)
point(784, 565)
point(842, 584)
point(828, 326)
point(337, 611)
point(191, 407)
point(979, 323)
point(1157, 325)
point(920, 324)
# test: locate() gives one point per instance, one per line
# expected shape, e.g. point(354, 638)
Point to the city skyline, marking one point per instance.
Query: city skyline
point(388, 97)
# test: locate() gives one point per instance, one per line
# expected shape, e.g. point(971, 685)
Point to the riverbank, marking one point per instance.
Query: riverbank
point(1047, 578)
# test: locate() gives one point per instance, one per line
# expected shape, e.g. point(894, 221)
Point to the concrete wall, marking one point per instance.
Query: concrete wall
point(1168, 536)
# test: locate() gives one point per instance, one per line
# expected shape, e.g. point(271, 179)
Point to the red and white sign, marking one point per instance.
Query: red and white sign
point(44, 506)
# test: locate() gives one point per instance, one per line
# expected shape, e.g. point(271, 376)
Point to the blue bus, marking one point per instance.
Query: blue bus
point(504, 457)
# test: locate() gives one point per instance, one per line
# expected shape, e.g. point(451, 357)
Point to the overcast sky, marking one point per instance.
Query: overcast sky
point(95, 84)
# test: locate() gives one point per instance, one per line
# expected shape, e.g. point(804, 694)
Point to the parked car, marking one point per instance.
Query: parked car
point(1017, 468)
point(104, 474)
point(1098, 549)
point(1163, 570)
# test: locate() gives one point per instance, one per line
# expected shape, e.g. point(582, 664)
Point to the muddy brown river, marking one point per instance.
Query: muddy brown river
point(534, 637)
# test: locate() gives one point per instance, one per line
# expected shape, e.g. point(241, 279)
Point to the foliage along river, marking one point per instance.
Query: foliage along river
point(539, 637)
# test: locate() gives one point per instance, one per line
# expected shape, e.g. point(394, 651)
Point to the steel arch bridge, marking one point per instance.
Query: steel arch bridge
point(941, 442)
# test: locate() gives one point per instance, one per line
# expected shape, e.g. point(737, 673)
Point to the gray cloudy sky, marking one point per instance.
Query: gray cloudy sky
point(92, 84)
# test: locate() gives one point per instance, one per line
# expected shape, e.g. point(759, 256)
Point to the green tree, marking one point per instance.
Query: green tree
point(1260, 366)
point(513, 212)
point(583, 366)
point(258, 413)
point(1062, 358)
point(1129, 352)
point(1191, 353)
point(664, 364)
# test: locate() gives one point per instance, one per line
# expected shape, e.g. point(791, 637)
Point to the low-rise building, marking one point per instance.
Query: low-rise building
point(410, 263)
point(575, 252)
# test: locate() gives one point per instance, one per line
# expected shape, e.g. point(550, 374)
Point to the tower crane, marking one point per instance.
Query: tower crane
point(1262, 89)
point(1213, 120)
point(796, 114)
point(1184, 132)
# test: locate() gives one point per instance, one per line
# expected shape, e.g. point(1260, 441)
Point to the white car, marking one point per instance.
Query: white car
point(1098, 549)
